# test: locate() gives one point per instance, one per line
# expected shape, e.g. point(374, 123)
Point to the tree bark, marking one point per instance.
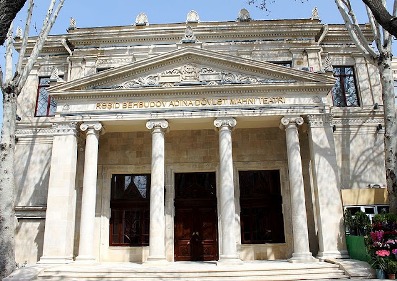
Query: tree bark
point(390, 140)
point(382, 16)
point(7, 185)
point(9, 9)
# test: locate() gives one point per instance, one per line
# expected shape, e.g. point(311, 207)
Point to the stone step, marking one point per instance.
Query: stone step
point(203, 272)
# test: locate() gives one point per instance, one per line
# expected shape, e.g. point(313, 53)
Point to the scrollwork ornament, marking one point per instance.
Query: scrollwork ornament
point(225, 122)
point(293, 120)
point(157, 124)
point(96, 126)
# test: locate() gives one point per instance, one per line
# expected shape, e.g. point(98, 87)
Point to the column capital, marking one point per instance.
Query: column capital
point(319, 120)
point(157, 124)
point(288, 121)
point(64, 128)
point(225, 122)
point(96, 126)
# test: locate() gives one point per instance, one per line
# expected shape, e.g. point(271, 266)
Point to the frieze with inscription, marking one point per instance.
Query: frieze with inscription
point(201, 102)
point(190, 75)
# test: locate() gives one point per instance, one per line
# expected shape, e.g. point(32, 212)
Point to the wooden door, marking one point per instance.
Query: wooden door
point(196, 232)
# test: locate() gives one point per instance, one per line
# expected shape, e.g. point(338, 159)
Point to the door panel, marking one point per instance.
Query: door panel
point(196, 222)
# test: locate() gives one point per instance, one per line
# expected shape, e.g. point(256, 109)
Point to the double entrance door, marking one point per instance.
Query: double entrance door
point(196, 220)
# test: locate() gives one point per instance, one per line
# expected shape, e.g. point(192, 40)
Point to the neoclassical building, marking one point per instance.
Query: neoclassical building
point(216, 141)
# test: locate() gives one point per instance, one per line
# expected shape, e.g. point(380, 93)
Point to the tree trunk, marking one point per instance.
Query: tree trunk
point(390, 140)
point(9, 9)
point(382, 16)
point(7, 186)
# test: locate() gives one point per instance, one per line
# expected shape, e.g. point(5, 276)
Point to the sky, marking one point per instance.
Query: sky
point(92, 13)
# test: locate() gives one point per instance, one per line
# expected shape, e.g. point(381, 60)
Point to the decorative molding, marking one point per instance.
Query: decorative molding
point(225, 122)
point(315, 15)
point(190, 75)
point(72, 24)
point(65, 128)
point(30, 212)
point(192, 17)
point(157, 124)
point(189, 36)
point(141, 20)
point(244, 16)
point(319, 120)
point(355, 121)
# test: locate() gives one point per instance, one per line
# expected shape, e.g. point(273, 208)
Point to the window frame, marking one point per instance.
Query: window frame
point(343, 92)
point(269, 205)
point(119, 207)
point(51, 104)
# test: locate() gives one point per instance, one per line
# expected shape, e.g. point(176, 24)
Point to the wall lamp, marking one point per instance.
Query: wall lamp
point(333, 128)
point(376, 106)
point(378, 128)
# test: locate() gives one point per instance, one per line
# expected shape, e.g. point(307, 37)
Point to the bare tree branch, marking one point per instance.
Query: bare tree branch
point(355, 32)
point(385, 19)
point(25, 36)
point(8, 62)
point(47, 25)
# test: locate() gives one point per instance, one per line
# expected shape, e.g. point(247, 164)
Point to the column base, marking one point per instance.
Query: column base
point(333, 255)
point(85, 259)
point(302, 257)
point(229, 260)
point(55, 260)
point(156, 261)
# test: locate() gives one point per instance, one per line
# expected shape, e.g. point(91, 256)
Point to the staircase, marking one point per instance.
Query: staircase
point(200, 271)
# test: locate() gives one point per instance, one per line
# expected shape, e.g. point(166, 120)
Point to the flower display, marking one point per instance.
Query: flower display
point(382, 242)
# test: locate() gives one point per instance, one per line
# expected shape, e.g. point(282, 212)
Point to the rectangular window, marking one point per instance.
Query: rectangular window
point(261, 207)
point(45, 105)
point(344, 93)
point(283, 63)
point(129, 203)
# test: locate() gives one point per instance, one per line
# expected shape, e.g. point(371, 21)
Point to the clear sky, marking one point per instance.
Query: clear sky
point(91, 13)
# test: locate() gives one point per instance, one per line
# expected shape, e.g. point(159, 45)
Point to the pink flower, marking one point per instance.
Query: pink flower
point(394, 251)
point(377, 235)
point(382, 253)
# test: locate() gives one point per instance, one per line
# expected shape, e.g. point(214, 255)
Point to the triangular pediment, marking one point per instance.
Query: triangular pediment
point(192, 67)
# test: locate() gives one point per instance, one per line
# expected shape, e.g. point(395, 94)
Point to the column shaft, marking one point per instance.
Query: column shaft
point(226, 189)
point(60, 215)
point(157, 217)
point(329, 211)
point(298, 207)
point(87, 223)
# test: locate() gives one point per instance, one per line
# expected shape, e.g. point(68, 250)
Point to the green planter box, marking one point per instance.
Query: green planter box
point(356, 248)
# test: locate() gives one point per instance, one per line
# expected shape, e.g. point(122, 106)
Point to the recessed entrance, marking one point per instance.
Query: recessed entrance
point(196, 223)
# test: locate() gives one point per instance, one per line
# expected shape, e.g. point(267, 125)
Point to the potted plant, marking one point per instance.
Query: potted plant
point(379, 264)
point(357, 226)
point(391, 268)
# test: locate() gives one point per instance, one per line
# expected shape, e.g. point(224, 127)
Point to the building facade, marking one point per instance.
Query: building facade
point(221, 141)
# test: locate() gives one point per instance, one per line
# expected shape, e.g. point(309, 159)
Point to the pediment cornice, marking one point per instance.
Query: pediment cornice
point(189, 67)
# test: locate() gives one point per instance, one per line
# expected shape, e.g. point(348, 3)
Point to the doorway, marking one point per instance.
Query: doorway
point(196, 220)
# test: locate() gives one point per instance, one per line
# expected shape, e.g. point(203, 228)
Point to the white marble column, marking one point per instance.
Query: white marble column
point(61, 201)
point(329, 208)
point(87, 222)
point(157, 216)
point(226, 189)
point(298, 208)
